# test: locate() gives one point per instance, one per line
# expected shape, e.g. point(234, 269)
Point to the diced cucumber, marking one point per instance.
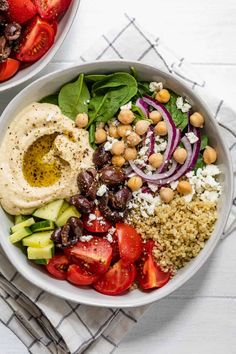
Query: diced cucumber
point(71, 211)
point(41, 261)
point(20, 218)
point(43, 225)
point(37, 240)
point(49, 211)
point(40, 253)
point(65, 205)
point(22, 224)
point(20, 234)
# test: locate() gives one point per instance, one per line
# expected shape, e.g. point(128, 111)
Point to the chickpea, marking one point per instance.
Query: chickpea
point(123, 130)
point(163, 96)
point(118, 161)
point(126, 116)
point(81, 120)
point(113, 132)
point(156, 160)
point(197, 120)
point(130, 153)
point(100, 136)
point(166, 194)
point(161, 128)
point(141, 127)
point(118, 148)
point(184, 187)
point(155, 116)
point(135, 183)
point(133, 139)
point(209, 155)
point(180, 155)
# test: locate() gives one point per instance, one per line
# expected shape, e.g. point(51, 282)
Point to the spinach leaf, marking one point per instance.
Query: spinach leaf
point(53, 99)
point(134, 72)
point(109, 94)
point(180, 119)
point(95, 77)
point(139, 115)
point(204, 142)
point(73, 98)
point(200, 163)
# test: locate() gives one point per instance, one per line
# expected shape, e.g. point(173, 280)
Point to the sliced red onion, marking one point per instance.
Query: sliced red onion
point(142, 105)
point(156, 176)
point(176, 141)
point(150, 135)
point(196, 149)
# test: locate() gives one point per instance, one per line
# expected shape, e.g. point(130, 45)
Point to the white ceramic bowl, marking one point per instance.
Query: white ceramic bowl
point(51, 83)
point(63, 29)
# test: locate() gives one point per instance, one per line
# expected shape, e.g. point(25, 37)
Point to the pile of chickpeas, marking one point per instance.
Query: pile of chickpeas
point(130, 135)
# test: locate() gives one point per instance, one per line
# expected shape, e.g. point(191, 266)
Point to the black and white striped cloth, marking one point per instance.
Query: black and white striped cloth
point(47, 324)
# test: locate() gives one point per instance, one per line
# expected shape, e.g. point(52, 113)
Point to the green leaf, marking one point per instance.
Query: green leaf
point(180, 119)
point(204, 141)
point(73, 98)
point(94, 77)
point(134, 72)
point(143, 88)
point(200, 163)
point(53, 99)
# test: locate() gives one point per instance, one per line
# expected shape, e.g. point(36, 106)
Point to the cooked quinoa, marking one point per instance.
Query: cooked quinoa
point(179, 229)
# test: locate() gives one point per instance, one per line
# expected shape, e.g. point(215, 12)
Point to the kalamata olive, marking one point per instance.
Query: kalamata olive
point(120, 199)
point(112, 215)
point(4, 6)
point(87, 183)
point(101, 157)
point(56, 235)
point(76, 226)
point(12, 31)
point(112, 176)
point(82, 204)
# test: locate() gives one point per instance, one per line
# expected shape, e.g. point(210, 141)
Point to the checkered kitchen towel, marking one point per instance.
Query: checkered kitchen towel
point(47, 324)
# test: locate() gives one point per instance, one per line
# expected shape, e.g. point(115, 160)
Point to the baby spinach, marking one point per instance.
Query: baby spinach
point(204, 141)
point(74, 97)
point(200, 163)
point(94, 77)
point(180, 119)
point(53, 99)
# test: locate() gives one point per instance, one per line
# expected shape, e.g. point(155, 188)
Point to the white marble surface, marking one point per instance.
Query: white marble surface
point(201, 316)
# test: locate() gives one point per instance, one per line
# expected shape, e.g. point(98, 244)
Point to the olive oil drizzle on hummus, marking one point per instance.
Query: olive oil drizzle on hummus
point(40, 168)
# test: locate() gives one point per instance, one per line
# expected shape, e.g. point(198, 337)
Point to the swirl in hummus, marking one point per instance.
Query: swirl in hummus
point(41, 156)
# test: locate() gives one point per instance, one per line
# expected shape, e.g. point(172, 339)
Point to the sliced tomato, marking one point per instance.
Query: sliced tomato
point(37, 38)
point(117, 280)
point(100, 224)
point(95, 254)
point(58, 266)
point(21, 11)
point(80, 276)
point(148, 246)
point(51, 9)
point(8, 69)
point(129, 242)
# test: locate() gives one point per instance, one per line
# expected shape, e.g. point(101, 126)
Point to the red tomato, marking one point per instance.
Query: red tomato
point(8, 69)
point(129, 241)
point(58, 266)
point(115, 248)
point(148, 246)
point(100, 224)
point(21, 11)
point(51, 9)
point(37, 38)
point(80, 276)
point(96, 254)
point(117, 280)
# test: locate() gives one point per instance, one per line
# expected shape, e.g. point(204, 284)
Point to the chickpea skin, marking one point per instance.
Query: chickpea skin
point(141, 127)
point(163, 96)
point(113, 132)
point(180, 155)
point(118, 148)
point(197, 120)
point(209, 155)
point(81, 120)
point(133, 139)
point(100, 136)
point(135, 183)
point(155, 116)
point(123, 130)
point(184, 187)
point(156, 160)
point(166, 194)
point(130, 153)
point(118, 161)
point(126, 116)
point(161, 129)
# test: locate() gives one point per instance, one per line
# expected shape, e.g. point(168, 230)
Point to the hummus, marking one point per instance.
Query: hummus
point(40, 158)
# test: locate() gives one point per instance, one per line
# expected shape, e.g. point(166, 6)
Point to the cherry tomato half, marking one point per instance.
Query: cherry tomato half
point(8, 69)
point(58, 266)
point(100, 224)
point(51, 9)
point(80, 276)
point(117, 280)
point(37, 38)
point(21, 11)
point(129, 242)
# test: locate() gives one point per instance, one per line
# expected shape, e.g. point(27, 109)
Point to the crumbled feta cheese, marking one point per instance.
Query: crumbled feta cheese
point(155, 86)
point(184, 106)
point(192, 137)
point(127, 106)
point(153, 187)
point(86, 238)
point(109, 238)
point(101, 190)
point(209, 196)
point(112, 230)
point(173, 185)
point(143, 151)
point(146, 203)
point(109, 143)
point(92, 217)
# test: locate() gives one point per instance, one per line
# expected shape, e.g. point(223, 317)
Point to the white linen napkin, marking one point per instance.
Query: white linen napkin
point(47, 324)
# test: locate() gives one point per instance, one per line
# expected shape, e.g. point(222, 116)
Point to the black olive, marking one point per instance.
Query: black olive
point(82, 204)
point(112, 215)
point(76, 226)
point(87, 183)
point(101, 157)
point(120, 199)
point(112, 176)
